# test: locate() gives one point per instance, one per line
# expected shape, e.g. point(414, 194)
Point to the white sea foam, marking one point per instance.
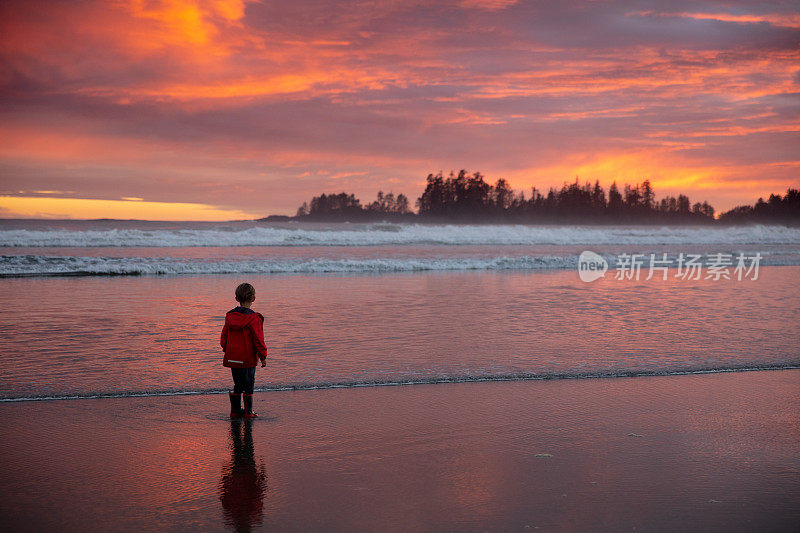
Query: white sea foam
point(400, 234)
point(43, 265)
point(26, 265)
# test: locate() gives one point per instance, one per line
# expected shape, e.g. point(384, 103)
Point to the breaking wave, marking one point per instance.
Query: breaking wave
point(399, 234)
point(42, 265)
point(38, 265)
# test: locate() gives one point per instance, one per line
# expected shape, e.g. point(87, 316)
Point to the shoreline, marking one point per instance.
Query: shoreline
point(400, 383)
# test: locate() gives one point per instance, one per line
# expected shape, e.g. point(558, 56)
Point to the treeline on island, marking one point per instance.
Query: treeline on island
point(345, 206)
point(784, 210)
point(465, 197)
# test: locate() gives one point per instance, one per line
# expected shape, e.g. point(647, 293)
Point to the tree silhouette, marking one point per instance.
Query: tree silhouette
point(783, 210)
point(466, 197)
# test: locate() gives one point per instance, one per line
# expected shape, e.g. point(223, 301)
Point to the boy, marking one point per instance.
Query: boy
point(243, 343)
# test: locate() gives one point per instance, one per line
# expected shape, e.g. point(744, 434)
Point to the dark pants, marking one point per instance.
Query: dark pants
point(243, 380)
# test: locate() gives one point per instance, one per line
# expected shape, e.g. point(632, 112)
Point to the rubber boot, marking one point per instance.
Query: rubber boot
point(236, 404)
point(248, 406)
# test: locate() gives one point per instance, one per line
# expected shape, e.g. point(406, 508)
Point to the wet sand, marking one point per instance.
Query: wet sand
point(696, 452)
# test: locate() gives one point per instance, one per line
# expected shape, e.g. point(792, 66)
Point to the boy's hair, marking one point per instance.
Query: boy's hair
point(245, 293)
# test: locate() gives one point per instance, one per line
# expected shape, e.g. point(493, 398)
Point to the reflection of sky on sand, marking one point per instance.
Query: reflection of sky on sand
point(715, 451)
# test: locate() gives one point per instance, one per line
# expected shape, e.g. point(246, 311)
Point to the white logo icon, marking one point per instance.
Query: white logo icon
point(591, 266)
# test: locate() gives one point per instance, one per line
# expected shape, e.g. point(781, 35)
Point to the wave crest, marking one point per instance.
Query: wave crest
point(401, 234)
point(37, 265)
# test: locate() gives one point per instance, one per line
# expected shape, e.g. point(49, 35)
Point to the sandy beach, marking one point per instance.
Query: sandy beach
point(694, 452)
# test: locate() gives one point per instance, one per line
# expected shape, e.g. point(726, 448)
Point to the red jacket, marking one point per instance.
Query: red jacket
point(243, 338)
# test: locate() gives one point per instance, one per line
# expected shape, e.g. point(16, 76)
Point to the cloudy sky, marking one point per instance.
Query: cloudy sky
point(220, 109)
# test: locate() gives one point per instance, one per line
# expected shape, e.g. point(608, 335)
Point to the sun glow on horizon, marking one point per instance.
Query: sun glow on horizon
point(126, 208)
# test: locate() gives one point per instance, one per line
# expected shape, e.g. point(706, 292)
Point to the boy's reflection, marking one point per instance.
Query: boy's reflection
point(243, 483)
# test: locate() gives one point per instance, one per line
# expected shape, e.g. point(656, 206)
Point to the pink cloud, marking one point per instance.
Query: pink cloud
point(257, 106)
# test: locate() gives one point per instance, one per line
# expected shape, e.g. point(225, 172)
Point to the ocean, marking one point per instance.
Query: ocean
point(133, 308)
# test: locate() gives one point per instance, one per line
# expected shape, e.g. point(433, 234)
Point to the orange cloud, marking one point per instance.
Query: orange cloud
point(489, 5)
point(669, 174)
point(206, 28)
point(788, 20)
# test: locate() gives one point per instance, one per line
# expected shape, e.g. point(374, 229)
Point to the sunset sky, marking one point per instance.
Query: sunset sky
point(230, 109)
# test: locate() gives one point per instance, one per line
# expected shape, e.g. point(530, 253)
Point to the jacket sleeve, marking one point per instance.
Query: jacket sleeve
point(261, 347)
point(223, 339)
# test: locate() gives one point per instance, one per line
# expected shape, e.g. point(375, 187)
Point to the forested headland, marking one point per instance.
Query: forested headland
point(469, 198)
